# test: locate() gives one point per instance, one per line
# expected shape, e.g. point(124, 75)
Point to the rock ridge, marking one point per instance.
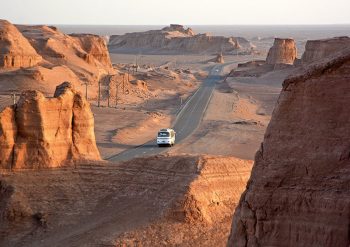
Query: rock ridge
point(176, 39)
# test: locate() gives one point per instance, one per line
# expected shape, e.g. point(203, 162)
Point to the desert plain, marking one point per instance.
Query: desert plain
point(80, 113)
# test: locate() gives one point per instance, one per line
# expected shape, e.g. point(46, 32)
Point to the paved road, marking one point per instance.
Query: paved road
point(186, 121)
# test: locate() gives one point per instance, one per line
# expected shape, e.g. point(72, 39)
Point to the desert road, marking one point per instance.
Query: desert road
point(186, 121)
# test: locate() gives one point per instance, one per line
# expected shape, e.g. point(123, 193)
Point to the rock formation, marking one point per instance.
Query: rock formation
point(218, 59)
point(95, 47)
point(179, 28)
point(176, 39)
point(298, 193)
point(78, 58)
point(316, 50)
point(47, 132)
point(176, 200)
point(283, 51)
point(15, 50)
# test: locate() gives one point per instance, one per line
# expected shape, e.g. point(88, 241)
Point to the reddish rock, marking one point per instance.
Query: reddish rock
point(283, 51)
point(298, 193)
point(316, 50)
point(47, 132)
point(95, 47)
point(15, 50)
point(219, 58)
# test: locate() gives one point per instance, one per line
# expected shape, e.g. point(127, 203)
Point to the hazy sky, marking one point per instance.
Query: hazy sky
point(153, 12)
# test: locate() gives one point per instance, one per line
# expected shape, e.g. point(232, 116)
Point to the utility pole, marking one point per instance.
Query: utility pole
point(86, 91)
point(108, 93)
point(99, 93)
point(128, 74)
point(123, 85)
point(14, 98)
point(116, 94)
point(109, 88)
point(136, 63)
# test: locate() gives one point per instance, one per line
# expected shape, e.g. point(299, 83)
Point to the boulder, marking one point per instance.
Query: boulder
point(316, 50)
point(283, 51)
point(298, 193)
point(15, 50)
point(47, 132)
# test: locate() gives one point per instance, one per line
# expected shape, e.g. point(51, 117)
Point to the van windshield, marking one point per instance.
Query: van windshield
point(163, 134)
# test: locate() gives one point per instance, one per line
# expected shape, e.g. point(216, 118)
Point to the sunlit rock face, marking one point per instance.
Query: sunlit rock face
point(47, 132)
point(298, 193)
point(316, 50)
point(283, 51)
point(15, 50)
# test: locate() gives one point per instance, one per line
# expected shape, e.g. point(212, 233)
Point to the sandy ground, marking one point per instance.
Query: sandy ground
point(132, 125)
point(237, 117)
point(234, 124)
point(134, 121)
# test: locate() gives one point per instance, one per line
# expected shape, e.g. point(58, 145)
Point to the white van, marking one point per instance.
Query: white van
point(166, 137)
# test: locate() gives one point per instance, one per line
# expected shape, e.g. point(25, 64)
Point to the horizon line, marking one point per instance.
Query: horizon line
point(264, 24)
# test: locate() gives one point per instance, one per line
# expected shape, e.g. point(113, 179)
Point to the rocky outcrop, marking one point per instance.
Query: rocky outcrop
point(47, 132)
point(15, 50)
point(283, 51)
point(179, 28)
point(316, 50)
point(38, 57)
point(192, 196)
point(176, 39)
point(95, 47)
point(298, 193)
point(218, 59)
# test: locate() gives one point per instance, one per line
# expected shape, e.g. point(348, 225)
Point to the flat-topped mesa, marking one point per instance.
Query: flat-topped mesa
point(283, 51)
point(176, 39)
point(47, 132)
point(298, 192)
point(15, 50)
point(95, 47)
point(316, 50)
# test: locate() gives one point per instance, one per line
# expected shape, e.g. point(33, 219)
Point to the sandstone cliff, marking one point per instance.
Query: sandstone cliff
point(47, 132)
point(316, 50)
point(283, 51)
point(80, 58)
point(95, 47)
point(298, 193)
point(15, 50)
point(176, 39)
